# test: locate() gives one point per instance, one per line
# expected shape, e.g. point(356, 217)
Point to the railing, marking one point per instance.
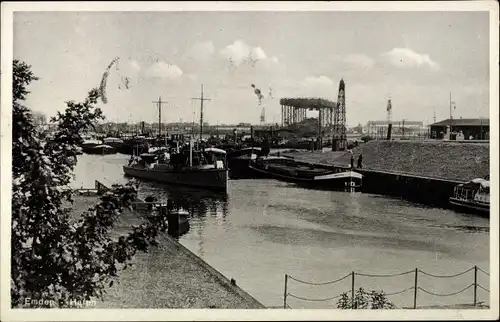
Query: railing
point(415, 287)
point(99, 189)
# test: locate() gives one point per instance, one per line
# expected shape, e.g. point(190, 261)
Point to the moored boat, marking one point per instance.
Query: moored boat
point(473, 195)
point(205, 169)
point(99, 149)
point(114, 142)
point(308, 175)
point(238, 162)
point(89, 142)
point(135, 145)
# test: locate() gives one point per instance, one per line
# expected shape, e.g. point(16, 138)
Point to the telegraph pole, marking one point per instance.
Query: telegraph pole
point(158, 102)
point(201, 111)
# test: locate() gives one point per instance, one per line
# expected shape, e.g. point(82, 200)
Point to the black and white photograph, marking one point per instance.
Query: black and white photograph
point(256, 160)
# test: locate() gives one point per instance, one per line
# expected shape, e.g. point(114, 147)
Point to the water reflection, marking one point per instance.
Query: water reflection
point(199, 203)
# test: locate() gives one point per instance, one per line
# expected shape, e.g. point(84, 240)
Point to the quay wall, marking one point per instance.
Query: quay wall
point(425, 190)
point(417, 170)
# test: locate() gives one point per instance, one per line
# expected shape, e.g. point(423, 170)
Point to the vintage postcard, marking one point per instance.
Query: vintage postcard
point(249, 160)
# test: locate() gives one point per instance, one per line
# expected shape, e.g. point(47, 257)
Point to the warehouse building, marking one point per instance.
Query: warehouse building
point(470, 129)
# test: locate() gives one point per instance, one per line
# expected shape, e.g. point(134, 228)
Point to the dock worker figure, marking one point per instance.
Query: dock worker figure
point(360, 161)
point(352, 159)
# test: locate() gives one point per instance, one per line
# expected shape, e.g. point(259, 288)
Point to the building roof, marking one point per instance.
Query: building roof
point(309, 103)
point(463, 122)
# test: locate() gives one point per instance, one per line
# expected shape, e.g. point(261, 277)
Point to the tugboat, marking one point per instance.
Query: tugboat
point(473, 195)
point(206, 168)
point(308, 175)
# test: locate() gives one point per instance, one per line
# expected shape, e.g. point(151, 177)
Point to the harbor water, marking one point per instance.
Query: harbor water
point(264, 229)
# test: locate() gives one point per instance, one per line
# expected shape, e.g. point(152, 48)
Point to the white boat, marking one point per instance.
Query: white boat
point(473, 195)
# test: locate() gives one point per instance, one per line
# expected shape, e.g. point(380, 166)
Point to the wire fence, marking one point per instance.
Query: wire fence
point(416, 288)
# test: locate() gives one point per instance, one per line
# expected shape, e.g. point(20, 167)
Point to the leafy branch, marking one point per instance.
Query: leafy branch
point(54, 258)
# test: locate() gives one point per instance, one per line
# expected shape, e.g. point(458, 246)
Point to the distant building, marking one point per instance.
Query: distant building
point(379, 128)
point(280, 133)
point(477, 129)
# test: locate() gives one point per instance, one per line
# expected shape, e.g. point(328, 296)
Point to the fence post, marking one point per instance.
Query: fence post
point(284, 294)
point(416, 289)
point(352, 291)
point(475, 285)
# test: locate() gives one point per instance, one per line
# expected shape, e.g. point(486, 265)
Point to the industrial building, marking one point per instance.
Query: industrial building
point(475, 129)
point(403, 127)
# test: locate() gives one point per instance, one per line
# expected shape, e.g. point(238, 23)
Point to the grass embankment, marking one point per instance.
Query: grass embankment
point(436, 159)
point(168, 276)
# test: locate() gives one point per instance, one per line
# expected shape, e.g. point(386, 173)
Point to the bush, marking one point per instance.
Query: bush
point(364, 300)
point(366, 138)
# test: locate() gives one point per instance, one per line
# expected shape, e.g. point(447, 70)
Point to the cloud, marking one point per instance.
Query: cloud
point(258, 53)
point(201, 51)
point(239, 52)
point(407, 58)
point(321, 80)
point(164, 70)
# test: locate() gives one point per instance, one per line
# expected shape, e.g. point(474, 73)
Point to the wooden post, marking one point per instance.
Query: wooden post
point(191, 152)
point(475, 285)
point(352, 290)
point(284, 294)
point(416, 289)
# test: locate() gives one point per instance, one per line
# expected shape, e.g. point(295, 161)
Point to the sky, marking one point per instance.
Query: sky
point(414, 58)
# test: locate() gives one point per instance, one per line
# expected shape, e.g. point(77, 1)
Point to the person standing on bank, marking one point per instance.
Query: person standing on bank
point(360, 161)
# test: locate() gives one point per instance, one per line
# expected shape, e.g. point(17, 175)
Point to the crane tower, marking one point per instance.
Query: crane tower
point(339, 121)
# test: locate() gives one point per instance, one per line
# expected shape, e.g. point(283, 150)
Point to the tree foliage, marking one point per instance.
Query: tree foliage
point(55, 258)
point(365, 300)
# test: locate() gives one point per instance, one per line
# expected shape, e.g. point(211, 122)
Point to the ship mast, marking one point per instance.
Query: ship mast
point(201, 110)
point(158, 102)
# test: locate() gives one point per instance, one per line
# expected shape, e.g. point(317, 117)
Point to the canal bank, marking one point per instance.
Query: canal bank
point(420, 171)
point(168, 276)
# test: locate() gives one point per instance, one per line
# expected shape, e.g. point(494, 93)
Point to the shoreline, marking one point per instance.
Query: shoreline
point(167, 276)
